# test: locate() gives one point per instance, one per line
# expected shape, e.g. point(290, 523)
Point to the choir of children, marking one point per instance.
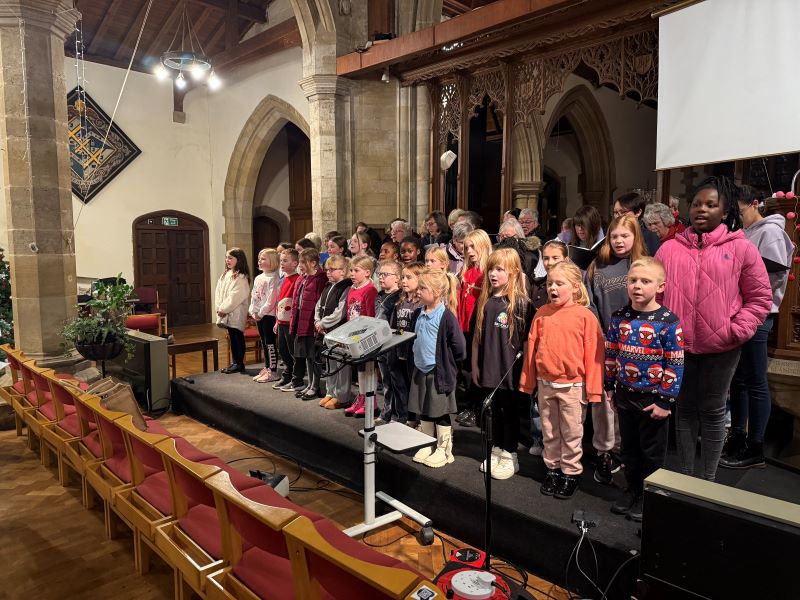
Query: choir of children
point(599, 339)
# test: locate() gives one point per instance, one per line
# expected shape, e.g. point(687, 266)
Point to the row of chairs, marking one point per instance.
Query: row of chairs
point(227, 535)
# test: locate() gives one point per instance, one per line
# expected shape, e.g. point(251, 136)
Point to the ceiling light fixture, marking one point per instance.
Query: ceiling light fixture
point(385, 76)
point(188, 59)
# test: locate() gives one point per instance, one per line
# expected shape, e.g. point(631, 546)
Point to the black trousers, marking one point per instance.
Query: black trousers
point(286, 350)
point(505, 417)
point(644, 439)
point(265, 326)
point(237, 345)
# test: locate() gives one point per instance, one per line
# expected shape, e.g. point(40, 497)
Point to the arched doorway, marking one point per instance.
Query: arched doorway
point(269, 118)
point(578, 130)
point(171, 255)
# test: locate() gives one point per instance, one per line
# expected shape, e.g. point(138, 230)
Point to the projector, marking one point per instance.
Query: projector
point(359, 337)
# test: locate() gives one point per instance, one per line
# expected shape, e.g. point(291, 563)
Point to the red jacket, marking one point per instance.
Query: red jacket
point(310, 287)
point(468, 296)
point(720, 291)
point(286, 291)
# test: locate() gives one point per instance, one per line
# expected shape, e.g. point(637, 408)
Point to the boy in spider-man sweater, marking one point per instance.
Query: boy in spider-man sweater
point(644, 369)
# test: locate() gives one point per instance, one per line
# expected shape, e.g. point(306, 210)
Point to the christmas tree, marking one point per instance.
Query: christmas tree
point(6, 314)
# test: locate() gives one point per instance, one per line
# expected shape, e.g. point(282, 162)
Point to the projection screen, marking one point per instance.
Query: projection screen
point(728, 82)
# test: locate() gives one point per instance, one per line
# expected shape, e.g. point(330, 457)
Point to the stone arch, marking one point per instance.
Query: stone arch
point(260, 129)
point(318, 33)
point(594, 139)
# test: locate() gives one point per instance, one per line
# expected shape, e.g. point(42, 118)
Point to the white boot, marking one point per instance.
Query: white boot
point(495, 456)
point(443, 454)
point(504, 468)
point(426, 427)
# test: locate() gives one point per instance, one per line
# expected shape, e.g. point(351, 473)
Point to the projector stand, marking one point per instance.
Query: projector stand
point(395, 437)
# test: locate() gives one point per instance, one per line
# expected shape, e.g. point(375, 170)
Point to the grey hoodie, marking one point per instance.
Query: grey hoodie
point(769, 236)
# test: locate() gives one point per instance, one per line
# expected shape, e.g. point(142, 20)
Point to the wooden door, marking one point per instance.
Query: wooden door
point(171, 254)
point(299, 183)
point(266, 234)
point(188, 303)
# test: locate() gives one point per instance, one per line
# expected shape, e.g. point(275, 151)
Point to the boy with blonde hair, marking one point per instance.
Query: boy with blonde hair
point(643, 370)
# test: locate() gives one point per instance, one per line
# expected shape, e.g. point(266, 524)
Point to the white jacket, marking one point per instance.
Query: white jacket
point(264, 298)
point(231, 298)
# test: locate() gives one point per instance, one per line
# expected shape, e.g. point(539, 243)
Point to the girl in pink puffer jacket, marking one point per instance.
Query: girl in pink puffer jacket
point(718, 287)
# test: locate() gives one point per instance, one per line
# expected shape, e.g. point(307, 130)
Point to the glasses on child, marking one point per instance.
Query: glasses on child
point(332, 270)
point(387, 274)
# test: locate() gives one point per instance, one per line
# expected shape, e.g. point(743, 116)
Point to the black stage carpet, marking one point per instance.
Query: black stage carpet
point(529, 529)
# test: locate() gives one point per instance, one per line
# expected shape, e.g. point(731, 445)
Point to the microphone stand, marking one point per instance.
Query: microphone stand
point(486, 428)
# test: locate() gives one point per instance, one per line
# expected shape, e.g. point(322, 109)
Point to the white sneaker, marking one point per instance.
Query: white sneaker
point(492, 459)
point(505, 467)
point(536, 448)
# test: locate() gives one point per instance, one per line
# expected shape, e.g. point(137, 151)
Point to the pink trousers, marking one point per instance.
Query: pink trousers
point(561, 410)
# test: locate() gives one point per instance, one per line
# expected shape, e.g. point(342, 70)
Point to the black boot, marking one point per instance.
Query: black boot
point(567, 487)
point(233, 368)
point(752, 455)
point(624, 502)
point(468, 420)
point(551, 482)
point(735, 442)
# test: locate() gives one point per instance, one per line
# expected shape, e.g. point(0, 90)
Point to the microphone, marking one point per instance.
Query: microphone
point(488, 401)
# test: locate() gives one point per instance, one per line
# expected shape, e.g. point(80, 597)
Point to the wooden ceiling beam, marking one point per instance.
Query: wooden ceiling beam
point(275, 39)
point(125, 49)
point(454, 7)
point(155, 46)
point(108, 19)
point(244, 11)
point(469, 25)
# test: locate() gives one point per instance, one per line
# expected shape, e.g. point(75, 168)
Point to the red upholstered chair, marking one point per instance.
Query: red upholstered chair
point(14, 394)
point(150, 323)
point(328, 564)
point(148, 504)
point(86, 450)
point(253, 545)
point(149, 303)
point(113, 474)
point(65, 429)
point(192, 543)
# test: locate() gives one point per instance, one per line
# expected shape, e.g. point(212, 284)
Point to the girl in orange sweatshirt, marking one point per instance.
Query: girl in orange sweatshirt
point(564, 359)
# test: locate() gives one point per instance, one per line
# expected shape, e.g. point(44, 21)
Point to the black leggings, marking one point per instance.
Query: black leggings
point(505, 418)
point(443, 421)
point(237, 345)
point(265, 330)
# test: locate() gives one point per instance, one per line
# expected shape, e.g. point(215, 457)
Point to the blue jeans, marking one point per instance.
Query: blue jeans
point(750, 399)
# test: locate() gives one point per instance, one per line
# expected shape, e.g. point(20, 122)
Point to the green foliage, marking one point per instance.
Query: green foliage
point(6, 313)
point(102, 319)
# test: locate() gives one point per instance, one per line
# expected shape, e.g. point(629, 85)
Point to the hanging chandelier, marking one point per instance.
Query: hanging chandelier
point(188, 60)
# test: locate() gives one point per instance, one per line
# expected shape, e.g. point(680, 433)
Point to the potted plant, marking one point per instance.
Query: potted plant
point(98, 332)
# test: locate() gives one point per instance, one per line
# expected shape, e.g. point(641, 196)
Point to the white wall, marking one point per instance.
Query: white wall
point(170, 173)
point(230, 108)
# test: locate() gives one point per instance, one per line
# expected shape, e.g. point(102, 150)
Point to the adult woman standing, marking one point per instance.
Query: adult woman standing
point(438, 231)
point(231, 300)
point(660, 219)
point(587, 228)
point(717, 284)
point(750, 399)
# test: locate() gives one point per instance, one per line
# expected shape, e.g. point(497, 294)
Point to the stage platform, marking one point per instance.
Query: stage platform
point(529, 529)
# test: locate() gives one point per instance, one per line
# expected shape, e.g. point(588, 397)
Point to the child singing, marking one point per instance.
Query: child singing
point(564, 358)
point(360, 303)
point(263, 303)
point(438, 348)
point(500, 332)
point(644, 369)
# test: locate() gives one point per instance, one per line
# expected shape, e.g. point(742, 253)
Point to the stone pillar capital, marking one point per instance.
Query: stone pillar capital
point(318, 85)
point(56, 16)
point(526, 193)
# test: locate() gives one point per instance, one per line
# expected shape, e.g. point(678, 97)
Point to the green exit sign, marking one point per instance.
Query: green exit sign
point(169, 221)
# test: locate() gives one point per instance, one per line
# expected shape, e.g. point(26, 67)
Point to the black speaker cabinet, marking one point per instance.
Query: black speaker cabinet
point(706, 540)
point(147, 370)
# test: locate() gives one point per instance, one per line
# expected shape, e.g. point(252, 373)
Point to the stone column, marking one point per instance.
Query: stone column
point(526, 194)
point(329, 112)
point(36, 165)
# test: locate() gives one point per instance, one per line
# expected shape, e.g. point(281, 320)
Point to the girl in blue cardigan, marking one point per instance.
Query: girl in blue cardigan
point(438, 348)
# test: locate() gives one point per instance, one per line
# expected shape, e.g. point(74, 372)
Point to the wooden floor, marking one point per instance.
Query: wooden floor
point(51, 547)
